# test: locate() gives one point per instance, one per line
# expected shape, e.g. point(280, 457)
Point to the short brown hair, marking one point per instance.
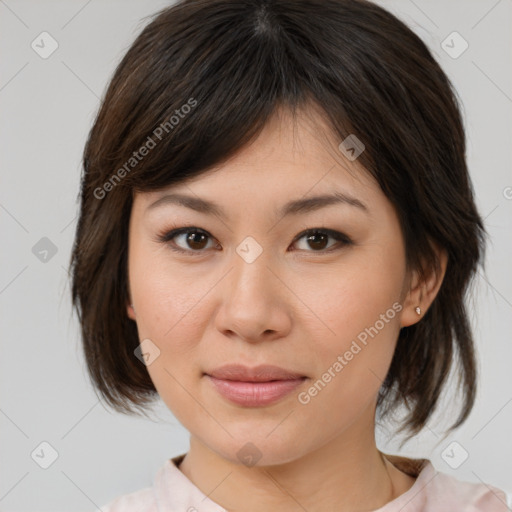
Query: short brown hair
point(234, 63)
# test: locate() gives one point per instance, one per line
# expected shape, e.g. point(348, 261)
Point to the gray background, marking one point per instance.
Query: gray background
point(47, 109)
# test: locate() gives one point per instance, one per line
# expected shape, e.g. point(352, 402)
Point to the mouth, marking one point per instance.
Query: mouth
point(254, 387)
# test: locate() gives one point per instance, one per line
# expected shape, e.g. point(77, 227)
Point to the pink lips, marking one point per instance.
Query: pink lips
point(252, 387)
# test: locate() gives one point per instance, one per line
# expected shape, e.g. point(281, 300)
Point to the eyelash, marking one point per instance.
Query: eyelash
point(167, 236)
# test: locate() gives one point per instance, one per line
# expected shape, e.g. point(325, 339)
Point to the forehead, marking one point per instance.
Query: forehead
point(290, 158)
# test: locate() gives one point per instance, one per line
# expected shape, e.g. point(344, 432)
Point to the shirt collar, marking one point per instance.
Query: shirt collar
point(174, 491)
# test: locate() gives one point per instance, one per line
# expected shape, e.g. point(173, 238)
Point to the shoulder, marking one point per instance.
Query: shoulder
point(165, 493)
point(475, 496)
point(137, 501)
point(435, 490)
point(447, 490)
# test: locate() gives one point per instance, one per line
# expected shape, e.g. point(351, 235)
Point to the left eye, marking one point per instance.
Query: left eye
point(318, 237)
point(197, 238)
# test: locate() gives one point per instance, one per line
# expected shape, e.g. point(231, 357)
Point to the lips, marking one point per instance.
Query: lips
point(254, 387)
point(262, 373)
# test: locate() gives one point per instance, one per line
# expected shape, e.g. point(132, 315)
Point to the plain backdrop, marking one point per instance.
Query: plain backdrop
point(47, 108)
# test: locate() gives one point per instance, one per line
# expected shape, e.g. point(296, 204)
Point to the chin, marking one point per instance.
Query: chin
point(260, 449)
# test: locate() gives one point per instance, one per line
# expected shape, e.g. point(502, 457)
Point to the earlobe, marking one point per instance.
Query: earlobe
point(423, 292)
point(413, 306)
point(131, 311)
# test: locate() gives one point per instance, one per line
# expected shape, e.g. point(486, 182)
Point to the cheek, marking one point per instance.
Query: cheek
point(169, 306)
point(173, 312)
point(352, 297)
point(356, 324)
point(170, 312)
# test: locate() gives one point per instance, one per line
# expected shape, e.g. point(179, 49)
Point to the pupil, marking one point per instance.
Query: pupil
point(322, 243)
point(192, 239)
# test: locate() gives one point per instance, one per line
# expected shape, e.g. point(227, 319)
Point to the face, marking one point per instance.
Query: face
point(250, 286)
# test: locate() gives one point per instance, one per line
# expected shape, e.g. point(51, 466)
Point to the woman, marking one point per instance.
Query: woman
point(276, 237)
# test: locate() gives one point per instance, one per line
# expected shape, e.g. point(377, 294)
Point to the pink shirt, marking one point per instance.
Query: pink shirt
point(432, 491)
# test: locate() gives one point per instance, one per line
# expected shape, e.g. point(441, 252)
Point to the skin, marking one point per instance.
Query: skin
point(298, 306)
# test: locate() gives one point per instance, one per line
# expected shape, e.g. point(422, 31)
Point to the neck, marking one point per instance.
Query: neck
point(348, 473)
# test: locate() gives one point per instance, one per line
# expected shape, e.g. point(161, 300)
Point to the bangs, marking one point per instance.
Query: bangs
point(194, 99)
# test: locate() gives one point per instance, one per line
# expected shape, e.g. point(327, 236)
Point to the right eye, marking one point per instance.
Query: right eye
point(190, 236)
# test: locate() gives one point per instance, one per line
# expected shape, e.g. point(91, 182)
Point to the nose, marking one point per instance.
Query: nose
point(254, 302)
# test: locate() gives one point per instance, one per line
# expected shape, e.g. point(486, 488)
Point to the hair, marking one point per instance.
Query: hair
point(199, 83)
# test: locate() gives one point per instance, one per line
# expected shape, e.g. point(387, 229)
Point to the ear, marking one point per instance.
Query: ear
point(131, 311)
point(421, 293)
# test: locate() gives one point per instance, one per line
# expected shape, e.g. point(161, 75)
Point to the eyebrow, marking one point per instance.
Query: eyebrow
point(294, 207)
